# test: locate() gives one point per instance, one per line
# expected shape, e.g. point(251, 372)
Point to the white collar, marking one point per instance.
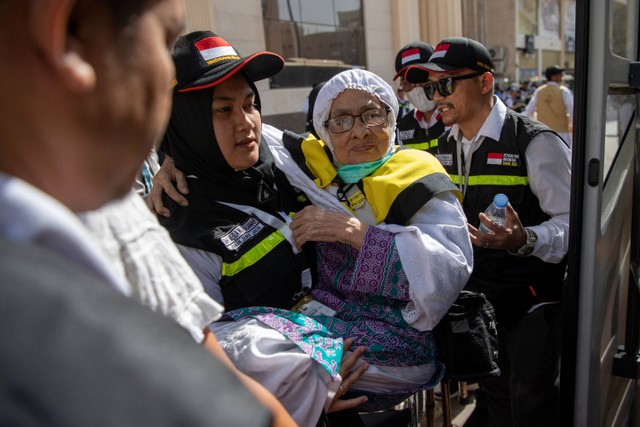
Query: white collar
point(29, 215)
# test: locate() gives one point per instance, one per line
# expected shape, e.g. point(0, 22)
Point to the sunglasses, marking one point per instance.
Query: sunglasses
point(445, 86)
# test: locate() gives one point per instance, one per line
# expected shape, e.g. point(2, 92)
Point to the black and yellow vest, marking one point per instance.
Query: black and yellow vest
point(511, 283)
point(259, 266)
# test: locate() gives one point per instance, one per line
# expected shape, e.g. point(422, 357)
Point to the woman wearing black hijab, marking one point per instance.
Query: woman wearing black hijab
point(238, 203)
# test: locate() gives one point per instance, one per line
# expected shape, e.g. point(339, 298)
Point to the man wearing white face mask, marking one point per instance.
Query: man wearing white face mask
point(421, 127)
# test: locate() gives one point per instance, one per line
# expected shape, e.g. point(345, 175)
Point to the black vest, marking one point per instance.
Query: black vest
point(512, 284)
point(259, 265)
point(410, 134)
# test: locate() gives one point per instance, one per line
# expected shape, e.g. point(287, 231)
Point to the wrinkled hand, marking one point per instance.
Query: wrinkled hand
point(163, 182)
point(512, 236)
point(313, 224)
point(349, 377)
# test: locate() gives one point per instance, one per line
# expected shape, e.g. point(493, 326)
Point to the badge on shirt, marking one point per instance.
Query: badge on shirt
point(403, 135)
point(503, 159)
point(445, 159)
point(356, 200)
point(310, 307)
point(241, 233)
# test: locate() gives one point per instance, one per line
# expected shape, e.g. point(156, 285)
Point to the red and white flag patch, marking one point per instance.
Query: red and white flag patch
point(213, 48)
point(410, 55)
point(494, 159)
point(441, 51)
point(503, 159)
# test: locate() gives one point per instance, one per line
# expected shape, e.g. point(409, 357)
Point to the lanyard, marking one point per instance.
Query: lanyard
point(462, 173)
point(463, 168)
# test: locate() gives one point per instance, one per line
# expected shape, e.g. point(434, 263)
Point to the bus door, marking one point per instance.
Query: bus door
point(600, 365)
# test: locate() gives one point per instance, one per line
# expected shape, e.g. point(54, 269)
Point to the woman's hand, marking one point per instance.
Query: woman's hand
point(163, 182)
point(349, 377)
point(313, 224)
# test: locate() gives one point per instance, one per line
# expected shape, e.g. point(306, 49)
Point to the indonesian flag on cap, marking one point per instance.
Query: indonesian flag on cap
point(410, 55)
point(215, 47)
point(441, 51)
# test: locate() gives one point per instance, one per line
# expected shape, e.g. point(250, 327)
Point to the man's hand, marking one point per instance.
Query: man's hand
point(349, 377)
point(512, 236)
point(163, 182)
point(317, 225)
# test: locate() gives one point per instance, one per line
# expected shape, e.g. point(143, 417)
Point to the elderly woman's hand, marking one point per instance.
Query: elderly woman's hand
point(317, 225)
point(349, 376)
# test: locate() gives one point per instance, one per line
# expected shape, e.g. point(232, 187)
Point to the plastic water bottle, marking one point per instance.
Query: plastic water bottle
point(496, 212)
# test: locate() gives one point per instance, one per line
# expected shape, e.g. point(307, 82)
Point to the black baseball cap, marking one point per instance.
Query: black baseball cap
point(413, 53)
point(204, 59)
point(552, 71)
point(459, 53)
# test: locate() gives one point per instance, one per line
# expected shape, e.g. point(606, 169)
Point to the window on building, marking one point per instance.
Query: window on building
point(528, 17)
point(317, 38)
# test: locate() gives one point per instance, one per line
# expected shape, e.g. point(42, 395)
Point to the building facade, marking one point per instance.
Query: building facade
point(319, 38)
point(524, 36)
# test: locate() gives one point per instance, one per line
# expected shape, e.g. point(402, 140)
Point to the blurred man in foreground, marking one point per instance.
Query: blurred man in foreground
point(86, 94)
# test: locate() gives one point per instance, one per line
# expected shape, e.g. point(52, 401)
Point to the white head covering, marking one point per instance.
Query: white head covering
point(353, 79)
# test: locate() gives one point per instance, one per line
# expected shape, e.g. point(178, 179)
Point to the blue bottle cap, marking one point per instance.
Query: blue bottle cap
point(500, 200)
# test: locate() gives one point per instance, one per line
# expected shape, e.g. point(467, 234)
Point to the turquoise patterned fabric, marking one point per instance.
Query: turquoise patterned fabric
point(308, 334)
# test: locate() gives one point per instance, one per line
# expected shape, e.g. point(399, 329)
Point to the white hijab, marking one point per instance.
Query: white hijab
point(353, 79)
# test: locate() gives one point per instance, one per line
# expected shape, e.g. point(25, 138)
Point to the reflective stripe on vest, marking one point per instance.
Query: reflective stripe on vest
point(492, 180)
point(424, 146)
point(282, 226)
point(253, 255)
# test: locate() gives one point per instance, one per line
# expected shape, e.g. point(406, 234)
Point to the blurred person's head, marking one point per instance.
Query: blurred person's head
point(311, 102)
point(554, 73)
point(86, 92)
point(414, 53)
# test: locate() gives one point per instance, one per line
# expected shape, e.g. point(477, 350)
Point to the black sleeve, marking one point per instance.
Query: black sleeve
point(75, 352)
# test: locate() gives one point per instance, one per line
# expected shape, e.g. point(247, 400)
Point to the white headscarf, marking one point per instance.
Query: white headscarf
point(353, 79)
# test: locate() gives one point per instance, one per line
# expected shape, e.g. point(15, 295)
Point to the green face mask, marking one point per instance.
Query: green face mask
point(350, 174)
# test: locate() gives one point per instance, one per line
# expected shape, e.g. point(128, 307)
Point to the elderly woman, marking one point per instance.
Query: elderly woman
point(393, 247)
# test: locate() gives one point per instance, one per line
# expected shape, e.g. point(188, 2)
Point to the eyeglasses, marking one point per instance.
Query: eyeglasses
point(445, 86)
point(375, 117)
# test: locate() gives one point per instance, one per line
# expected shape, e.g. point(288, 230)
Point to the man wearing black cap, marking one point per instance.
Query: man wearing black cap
point(552, 104)
point(490, 149)
point(421, 127)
